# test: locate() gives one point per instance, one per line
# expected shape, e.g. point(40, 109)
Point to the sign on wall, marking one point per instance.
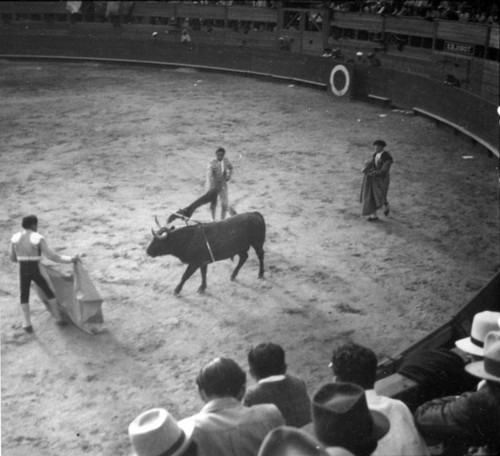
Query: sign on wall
point(459, 48)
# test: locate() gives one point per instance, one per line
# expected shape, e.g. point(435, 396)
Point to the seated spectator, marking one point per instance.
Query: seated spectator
point(74, 9)
point(373, 59)
point(285, 43)
point(289, 441)
point(437, 372)
point(356, 364)
point(471, 419)
point(275, 386)
point(155, 432)
point(482, 324)
point(341, 418)
point(224, 427)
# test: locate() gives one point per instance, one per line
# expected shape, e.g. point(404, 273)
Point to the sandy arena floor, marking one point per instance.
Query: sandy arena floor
point(96, 151)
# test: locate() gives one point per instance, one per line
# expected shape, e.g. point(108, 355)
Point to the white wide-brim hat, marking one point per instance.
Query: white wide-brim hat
point(482, 324)
point(489, 367)
point(156, 432)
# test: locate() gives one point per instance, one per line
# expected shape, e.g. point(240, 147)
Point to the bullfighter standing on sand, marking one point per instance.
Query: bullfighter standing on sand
point(27, 248)
point(218, 174)
point(376, 182)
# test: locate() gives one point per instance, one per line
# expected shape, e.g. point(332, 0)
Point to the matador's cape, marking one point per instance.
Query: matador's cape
point(76, 295)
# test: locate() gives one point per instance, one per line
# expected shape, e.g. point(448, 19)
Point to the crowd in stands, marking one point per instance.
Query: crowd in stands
point(466, 11)
point(480, 12)
point(344, 417)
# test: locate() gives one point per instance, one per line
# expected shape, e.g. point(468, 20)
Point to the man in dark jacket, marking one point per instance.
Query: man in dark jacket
point(275, 386)
point(224, 426)
point(473, 418)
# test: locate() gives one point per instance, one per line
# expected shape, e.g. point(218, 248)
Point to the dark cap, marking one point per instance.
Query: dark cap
point(29, 221)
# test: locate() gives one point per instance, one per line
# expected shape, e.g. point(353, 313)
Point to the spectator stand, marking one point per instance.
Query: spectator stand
point(390, 383)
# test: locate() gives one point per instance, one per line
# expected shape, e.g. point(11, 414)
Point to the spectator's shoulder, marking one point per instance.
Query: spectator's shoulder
point(36, 238)
point(251, 390)
point(16, 237)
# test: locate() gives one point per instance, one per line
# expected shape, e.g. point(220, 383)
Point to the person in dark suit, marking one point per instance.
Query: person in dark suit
point(471, 419)
point(275, 386)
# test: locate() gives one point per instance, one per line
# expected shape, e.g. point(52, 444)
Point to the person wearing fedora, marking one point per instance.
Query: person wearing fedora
point(471, 419)
point(155, 432)
point(341, 418)
point(290, 441)
point(356, 364)
point(274, 386)
point(27, 248)
point(224, 427)
point(376, 181)
point(482, 324)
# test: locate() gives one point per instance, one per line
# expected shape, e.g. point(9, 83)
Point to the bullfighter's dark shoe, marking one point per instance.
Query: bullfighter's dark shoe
point(28, 328)
point(372, 219)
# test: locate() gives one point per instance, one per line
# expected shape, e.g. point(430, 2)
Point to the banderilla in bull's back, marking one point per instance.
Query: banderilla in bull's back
point(201, 244)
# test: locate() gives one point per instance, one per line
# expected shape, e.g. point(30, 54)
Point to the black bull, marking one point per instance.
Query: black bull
point(195, 244)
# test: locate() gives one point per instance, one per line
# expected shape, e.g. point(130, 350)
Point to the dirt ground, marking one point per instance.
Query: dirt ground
point(96, 151)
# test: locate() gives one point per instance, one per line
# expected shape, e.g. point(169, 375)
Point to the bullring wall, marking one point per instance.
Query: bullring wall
point(405, 90)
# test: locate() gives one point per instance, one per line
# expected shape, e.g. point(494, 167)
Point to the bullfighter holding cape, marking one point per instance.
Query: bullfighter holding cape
point(72, 296)
point(376, 182)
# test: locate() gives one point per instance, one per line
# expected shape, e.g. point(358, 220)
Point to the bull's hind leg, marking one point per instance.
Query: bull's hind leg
point(243, 257)
point(190, 270)
point(259, 250)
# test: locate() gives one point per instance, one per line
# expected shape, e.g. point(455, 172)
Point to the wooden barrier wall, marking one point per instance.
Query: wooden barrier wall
point(225, 49)
point(408, 91)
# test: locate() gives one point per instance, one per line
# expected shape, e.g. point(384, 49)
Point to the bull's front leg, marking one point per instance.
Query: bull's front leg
point(203, 286)
point(187, 274)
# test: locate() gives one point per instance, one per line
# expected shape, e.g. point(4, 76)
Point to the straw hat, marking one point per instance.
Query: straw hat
point(482, 324)
point(489, 367)
point(156, 432)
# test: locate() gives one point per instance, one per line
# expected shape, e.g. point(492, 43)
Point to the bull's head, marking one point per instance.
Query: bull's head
point(156, 248)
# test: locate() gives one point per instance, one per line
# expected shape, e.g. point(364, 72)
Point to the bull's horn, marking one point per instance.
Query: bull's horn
point(160, 236)
point(157, 222)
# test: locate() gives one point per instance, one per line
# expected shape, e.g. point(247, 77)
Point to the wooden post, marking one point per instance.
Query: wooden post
point(488, 34)
point(325, 25)
point(434, 34)
point(302, 27)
